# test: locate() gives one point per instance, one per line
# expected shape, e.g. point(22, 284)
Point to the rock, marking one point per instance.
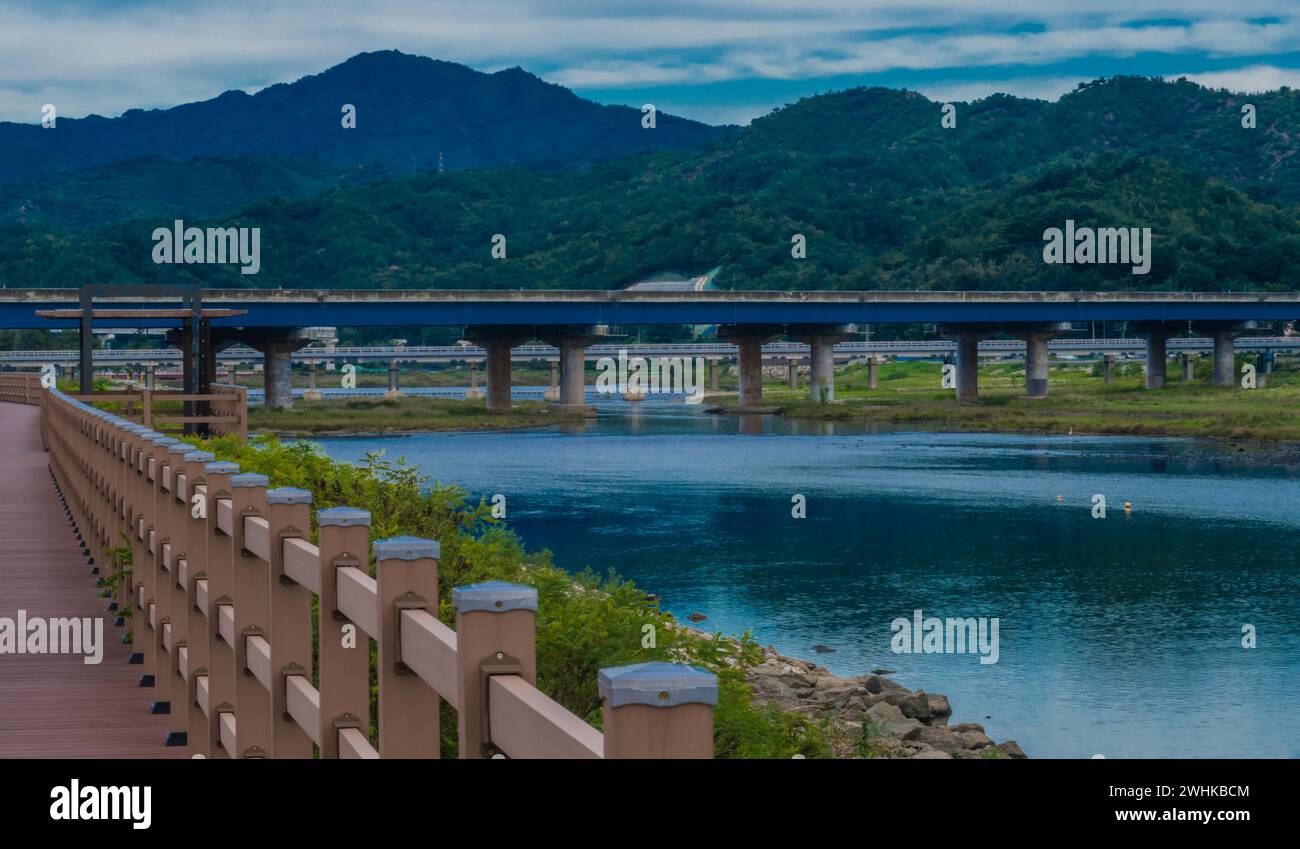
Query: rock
point(963, 727)
point(697, 617)
point(917, 706)
point(883, 712)
point(821, 649)
point(1012, 749)
point(931, 755)
point(876, 684)
point(939, 706)
point(938, 738)
point(975, 739)
point(883, 671)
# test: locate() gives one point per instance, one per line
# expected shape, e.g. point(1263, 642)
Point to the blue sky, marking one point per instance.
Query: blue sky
point(714, 60)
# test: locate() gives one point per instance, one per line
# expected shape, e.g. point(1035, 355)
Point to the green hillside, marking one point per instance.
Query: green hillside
point(885, 197)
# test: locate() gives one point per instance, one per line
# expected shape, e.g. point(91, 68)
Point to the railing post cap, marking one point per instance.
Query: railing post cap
point(200, 457)
point(182, 448)
point(406, 548)
point(343, 517)
point(657, 684)
point(494, 597)
point(164, 441)
point(288, 495)
point(221, 467)
point(250, 479)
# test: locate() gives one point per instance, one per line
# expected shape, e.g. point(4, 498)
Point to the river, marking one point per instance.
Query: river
point(1119, 636)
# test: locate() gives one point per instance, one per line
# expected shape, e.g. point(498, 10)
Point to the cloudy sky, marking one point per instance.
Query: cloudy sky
point(715, 60)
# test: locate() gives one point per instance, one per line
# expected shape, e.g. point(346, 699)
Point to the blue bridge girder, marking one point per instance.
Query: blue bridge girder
point(551, 308)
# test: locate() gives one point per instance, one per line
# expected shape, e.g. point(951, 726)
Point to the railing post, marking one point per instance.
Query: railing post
point(171, 597)
point(343, 649)
point(149, 638)
point(288, 513)
point(252, 701)
point(658, 710)
point(496, 626)
point(406, 578)
point(221, 556)
point(186, 613)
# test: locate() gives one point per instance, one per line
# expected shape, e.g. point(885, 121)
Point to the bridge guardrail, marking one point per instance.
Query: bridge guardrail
point(20, 387)
point(220, 595)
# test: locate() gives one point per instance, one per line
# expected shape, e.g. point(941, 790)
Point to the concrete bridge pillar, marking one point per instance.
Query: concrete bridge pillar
point(573, 343)
point(148, 378)
point(1157, 335)
point(277, 345)
point(394, 388)
point(821, 339)
point(1108, 368)
point(1224, 334)
point(1189, 367)
point(498, 341)
point(312, 393)
point(968, 338)
point(1036, 337)
point(474, 393)
point(749, 338)
point(552, 392)
point(792, 372)
point(873, 365)
point(713, 375)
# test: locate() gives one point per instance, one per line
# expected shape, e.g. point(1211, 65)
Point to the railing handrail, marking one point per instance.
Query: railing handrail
point(221, 586)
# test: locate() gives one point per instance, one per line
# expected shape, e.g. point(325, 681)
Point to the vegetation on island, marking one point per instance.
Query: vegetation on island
point(1079, 401)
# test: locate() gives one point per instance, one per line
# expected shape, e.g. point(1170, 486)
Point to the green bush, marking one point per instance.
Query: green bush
point(584, 622)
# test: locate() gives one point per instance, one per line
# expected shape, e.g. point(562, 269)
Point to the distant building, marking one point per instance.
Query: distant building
point(673, 281)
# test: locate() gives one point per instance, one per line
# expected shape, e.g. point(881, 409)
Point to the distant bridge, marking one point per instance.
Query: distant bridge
point(459, 308)
point(574, 321)
point(708, 350)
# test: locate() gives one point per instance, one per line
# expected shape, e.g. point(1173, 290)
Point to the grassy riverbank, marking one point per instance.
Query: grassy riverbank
point(584, 622)
point(407, 414)
point(1080, 402)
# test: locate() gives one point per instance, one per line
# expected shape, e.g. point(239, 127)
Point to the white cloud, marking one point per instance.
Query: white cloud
point(154, 54)
point(1250, 80)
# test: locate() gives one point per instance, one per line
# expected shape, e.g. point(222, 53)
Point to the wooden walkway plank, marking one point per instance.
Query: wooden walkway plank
point(55, 705)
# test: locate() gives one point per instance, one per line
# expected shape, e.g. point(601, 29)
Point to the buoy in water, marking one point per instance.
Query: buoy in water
point(1128, 506)
point(1060, 498)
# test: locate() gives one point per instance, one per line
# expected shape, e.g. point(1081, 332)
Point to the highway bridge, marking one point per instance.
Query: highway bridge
point(574, 321)
point(778, 351)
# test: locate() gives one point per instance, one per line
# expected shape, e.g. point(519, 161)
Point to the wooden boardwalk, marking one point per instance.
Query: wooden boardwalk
point(55, 705)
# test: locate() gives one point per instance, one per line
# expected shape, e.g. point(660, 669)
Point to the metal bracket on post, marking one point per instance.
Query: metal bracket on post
point(406, 601)
point(247, 512)
point(344, 560)
point(286, 533)
point(249, 631)
point(220, 602)
point(285, 673)
point(347, 720)
point(194, 588)
point(499, 663)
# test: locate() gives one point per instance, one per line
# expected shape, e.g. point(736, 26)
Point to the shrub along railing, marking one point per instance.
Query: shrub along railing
point(220, 590)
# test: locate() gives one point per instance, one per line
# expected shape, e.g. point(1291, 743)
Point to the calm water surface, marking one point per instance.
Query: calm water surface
point(1119, 636)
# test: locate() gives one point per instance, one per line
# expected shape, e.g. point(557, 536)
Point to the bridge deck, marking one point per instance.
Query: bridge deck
point(56, 705)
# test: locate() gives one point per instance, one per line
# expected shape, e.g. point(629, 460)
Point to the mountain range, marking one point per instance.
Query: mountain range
point(885, 196)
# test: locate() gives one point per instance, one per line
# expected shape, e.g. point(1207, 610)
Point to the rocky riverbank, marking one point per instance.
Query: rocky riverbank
point(873, 715)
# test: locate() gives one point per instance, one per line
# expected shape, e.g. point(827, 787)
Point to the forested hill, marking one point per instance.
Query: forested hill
point(410, 113)
point(885, 197)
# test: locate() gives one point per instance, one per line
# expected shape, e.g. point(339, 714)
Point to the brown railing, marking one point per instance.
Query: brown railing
point(163, 409)
point(20, 387)
point(220, 594)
